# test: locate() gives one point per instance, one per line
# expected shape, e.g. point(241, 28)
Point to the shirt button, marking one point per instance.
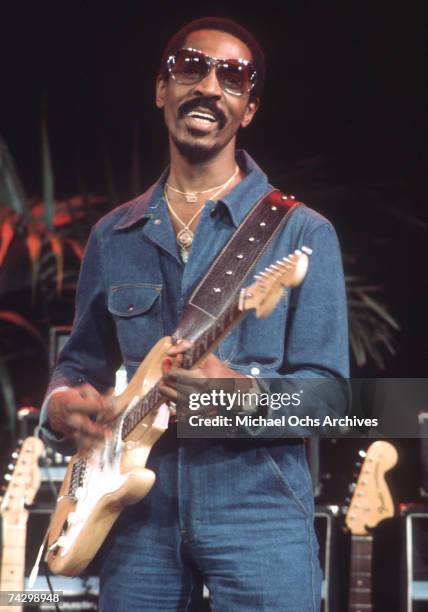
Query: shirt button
point(80, 380)
point(130, 307)
point(254, 371)
point(157, 221)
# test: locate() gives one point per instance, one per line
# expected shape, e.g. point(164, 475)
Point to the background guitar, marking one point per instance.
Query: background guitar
point(371, 503)
point(23, 484)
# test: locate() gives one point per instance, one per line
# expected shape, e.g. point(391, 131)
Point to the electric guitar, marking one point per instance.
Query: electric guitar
point(98, 485)
point(23, 484)
point(371, 503)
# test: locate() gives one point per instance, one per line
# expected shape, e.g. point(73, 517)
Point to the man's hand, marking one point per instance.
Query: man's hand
point(70, 414)
point(178, 383)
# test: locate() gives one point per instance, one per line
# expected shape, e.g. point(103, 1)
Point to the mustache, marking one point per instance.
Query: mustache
point(201, 103)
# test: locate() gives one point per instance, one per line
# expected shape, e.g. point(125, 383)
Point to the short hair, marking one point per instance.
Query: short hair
point(221, 24)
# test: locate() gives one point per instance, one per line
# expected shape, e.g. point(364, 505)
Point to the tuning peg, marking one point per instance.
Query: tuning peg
point(351, 487)
point(11, 466)
point(362, 453)
point(358, 464)
point(8, 477)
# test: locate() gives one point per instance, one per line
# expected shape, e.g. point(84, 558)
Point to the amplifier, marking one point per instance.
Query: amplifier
point(423, 429)
point(327, 530)
point(415, 557)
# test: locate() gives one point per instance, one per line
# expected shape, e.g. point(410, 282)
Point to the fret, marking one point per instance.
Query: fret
point(360, 591)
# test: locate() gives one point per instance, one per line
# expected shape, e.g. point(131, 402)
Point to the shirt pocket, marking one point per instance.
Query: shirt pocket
point(137, 313)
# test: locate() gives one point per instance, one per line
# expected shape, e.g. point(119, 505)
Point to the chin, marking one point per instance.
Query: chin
point(196, 151)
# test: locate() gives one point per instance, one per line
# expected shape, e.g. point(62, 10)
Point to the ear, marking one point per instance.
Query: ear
point(250, 111)
point(160, 91)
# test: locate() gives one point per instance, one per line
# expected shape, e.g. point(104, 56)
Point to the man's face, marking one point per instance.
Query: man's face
point(196, 137)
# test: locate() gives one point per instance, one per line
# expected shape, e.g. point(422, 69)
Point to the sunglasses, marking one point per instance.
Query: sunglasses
point(189, 66)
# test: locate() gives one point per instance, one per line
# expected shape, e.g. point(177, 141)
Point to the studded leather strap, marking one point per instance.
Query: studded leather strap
point(234, 263)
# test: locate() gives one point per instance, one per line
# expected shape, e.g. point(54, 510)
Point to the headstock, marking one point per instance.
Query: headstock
point(264, 294)
point(371, 502)
point(23, 482)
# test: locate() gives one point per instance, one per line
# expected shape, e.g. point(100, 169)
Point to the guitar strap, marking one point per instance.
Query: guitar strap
point(234, 263)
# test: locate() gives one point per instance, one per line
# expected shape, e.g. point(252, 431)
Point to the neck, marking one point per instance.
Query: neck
point(196, 176)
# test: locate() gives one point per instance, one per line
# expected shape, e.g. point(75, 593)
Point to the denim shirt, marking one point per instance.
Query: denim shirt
point(133, 287)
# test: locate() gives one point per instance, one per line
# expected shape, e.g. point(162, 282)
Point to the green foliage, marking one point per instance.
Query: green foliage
point(371, 326)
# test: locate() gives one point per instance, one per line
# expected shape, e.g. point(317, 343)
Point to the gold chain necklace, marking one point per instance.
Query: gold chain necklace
point(192, 196)
point(185, 235)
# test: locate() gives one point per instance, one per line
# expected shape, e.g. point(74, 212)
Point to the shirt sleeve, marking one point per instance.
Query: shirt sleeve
point(316, 351)
point(91, 354)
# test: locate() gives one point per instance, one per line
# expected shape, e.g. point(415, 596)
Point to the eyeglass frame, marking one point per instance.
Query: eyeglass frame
point(213, 63)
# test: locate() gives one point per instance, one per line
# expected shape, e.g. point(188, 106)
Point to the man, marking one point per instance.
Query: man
point(239, 513)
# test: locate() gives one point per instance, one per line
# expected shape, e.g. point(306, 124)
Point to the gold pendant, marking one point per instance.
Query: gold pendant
point(184, 254)
point(185, 238)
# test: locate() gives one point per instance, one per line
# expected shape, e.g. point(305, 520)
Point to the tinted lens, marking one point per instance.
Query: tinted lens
point(189, 67)
point(234, 77)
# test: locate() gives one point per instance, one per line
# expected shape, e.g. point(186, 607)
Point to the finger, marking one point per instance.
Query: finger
point(89, 405)
point(85, 426)
point(111, 410)
point(168, 392)
point(180, 347)
point(187, 375)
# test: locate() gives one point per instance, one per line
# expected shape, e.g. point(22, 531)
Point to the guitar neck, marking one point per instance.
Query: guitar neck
point(204, 343)
point(211, 337)
point(13, 557)
point(360, 581)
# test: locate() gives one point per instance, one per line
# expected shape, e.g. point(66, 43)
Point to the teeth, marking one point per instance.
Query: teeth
point(201, 115)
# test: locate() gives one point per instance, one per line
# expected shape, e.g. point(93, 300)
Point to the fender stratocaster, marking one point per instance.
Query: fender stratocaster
point(371, 503)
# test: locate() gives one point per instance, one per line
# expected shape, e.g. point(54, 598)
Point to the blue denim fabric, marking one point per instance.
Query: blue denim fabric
point(243, 516)
point(240, 515)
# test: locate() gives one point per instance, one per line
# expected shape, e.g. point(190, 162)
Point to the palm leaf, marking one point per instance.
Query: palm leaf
point(20, 321)
point(6, 389)
point(7, 233)
point(12, 192)
point(34, 247)
point(58, 251)
point(76, 247)
point(47, 174)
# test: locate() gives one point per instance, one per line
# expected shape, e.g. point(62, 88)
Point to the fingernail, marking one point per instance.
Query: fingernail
point(167, 363)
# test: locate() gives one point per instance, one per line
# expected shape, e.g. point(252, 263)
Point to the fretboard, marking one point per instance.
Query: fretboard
point(13, 559)
point(205, 343)
point(360, 578)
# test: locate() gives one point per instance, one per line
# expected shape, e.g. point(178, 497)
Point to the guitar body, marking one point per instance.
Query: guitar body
point(114, 476)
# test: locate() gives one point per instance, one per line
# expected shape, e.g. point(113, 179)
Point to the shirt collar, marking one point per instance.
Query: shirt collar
point(238, 201)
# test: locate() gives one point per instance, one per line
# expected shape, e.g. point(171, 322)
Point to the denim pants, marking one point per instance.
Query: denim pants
point(236, 514)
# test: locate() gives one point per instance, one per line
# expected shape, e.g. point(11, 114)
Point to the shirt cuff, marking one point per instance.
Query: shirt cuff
point(51, 437)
